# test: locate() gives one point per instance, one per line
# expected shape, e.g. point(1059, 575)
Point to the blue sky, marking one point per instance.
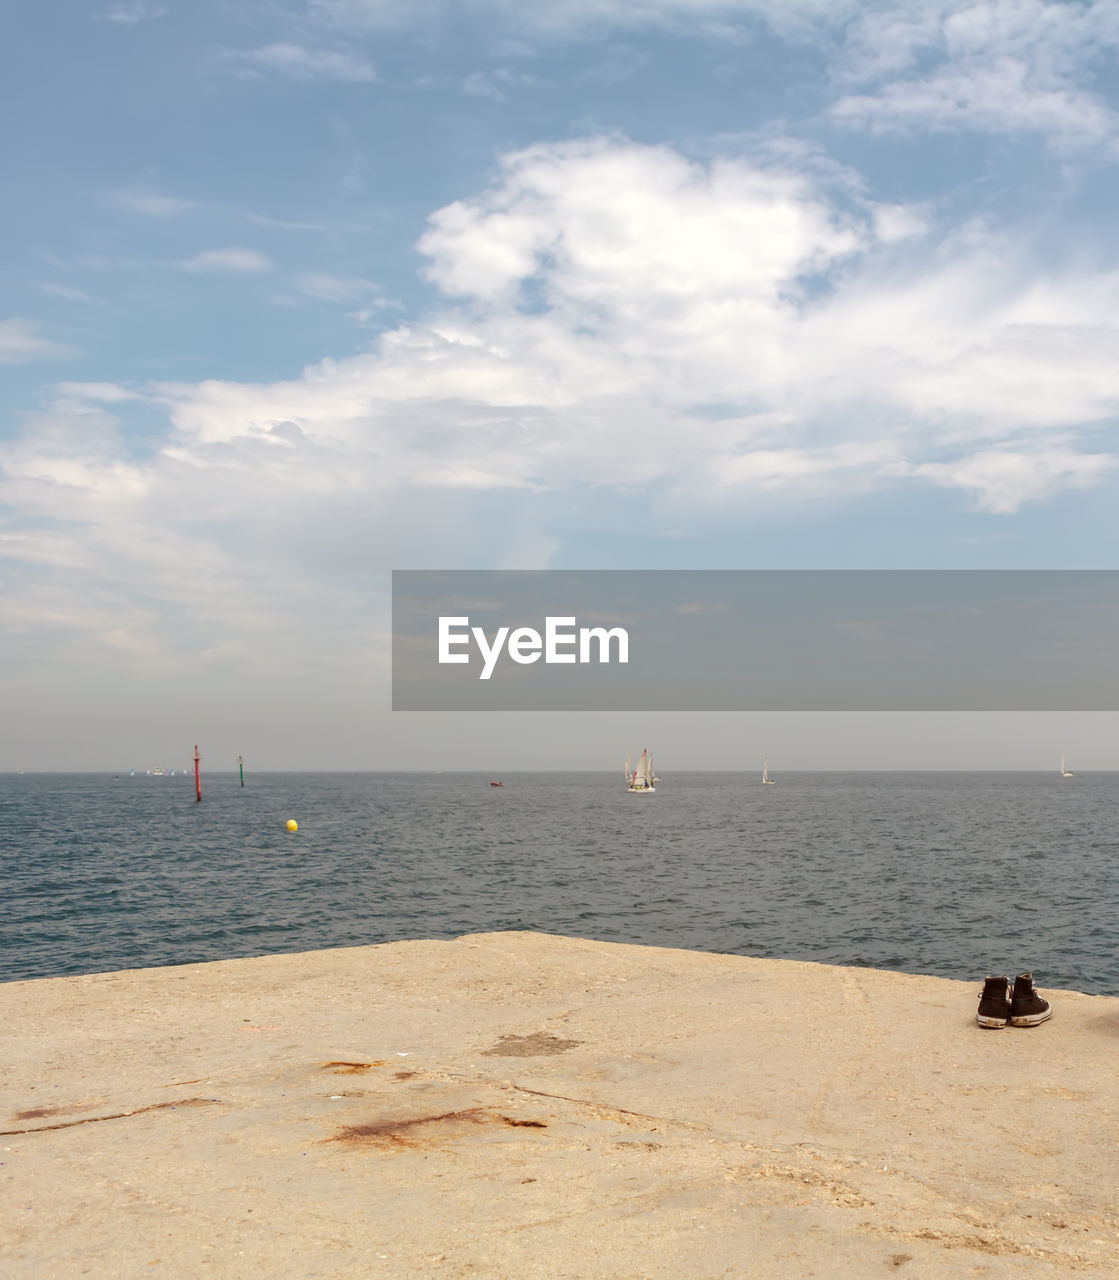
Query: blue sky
point(295, 293)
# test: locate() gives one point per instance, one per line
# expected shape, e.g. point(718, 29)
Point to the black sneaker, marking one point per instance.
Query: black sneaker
point(1027, 1008)
point(994, 1002)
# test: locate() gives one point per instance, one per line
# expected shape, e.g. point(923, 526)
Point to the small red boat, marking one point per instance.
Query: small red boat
point(497, 784)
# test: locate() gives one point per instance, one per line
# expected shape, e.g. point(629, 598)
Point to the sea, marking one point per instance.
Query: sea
point(953, 874)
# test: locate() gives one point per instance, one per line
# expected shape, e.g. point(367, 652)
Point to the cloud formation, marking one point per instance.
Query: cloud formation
point(615, 318)
point(1004, 479)
point(896, 66)
point(329, 288)
point(149, 203)
point(20, 343)
point(754, 321)
point(299, 63)
point(64, 291)
point(1017, 66)
point(129, 12)
point(239, 260)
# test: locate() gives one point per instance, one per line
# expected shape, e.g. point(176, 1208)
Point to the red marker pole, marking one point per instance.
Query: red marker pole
point(197, 777)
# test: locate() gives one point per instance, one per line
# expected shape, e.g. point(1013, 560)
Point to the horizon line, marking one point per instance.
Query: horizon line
point(189, 774)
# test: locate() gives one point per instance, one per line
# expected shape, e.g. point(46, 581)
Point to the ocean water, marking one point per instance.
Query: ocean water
point(950, 874)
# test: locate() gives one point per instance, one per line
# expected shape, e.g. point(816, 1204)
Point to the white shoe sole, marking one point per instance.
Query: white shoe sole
point(985, 1021)
point(1031, 1019)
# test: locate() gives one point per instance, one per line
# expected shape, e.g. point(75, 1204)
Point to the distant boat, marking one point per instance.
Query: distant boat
point(767, 781)
point(497, 784)
point(642, 778)
point(1064, 772)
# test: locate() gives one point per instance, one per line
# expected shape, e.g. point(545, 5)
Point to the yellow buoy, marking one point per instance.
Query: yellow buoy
point(293, 825)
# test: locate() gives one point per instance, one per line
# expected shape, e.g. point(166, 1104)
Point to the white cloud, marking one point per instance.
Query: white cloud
point(615, 317)
point(243, 261)
point(479, 84)
point(64, 291)
point(129, 12)
point(20, 343)
point(605, 287)
point(495, 84)
point(298, 63)
point(361, 14)
point(576, 19)
point(668, 228)
point(335, 288)
point(365, 314)
point(151, 204)
point(897, 66)
point(281, 224)
point(1021, 66)
point(1004, 479)
point(95, 393)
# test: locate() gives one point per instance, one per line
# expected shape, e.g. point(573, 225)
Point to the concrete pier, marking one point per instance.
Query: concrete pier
point(520, 1105)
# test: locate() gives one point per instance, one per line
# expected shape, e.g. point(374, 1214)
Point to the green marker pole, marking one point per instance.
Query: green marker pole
point(241, 766)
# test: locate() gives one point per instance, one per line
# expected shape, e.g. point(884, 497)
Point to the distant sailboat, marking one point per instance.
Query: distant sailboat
point(767, 781)
point(642, 778)
point(1065, 772)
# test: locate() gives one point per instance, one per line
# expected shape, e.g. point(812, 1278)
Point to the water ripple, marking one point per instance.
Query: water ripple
point(949, 874)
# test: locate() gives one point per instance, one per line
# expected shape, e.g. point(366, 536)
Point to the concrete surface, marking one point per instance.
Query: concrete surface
point(519, 1105)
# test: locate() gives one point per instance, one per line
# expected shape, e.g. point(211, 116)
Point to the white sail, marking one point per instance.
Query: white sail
point(641, 779)
point(1064, 772)
point(767, 781)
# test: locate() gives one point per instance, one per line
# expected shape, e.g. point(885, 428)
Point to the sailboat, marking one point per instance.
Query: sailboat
point(1064, 772)
point(643, 777)
point(767, 781)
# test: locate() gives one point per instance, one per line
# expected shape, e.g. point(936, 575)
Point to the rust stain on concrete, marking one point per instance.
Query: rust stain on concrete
point(410, 1131)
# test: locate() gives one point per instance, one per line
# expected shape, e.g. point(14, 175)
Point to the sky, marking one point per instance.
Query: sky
point(296, 292)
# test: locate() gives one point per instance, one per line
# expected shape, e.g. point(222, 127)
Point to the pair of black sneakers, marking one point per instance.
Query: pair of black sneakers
point(1021, 1007)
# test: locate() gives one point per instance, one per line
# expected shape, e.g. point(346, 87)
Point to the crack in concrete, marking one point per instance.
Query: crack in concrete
point(117, 1115)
